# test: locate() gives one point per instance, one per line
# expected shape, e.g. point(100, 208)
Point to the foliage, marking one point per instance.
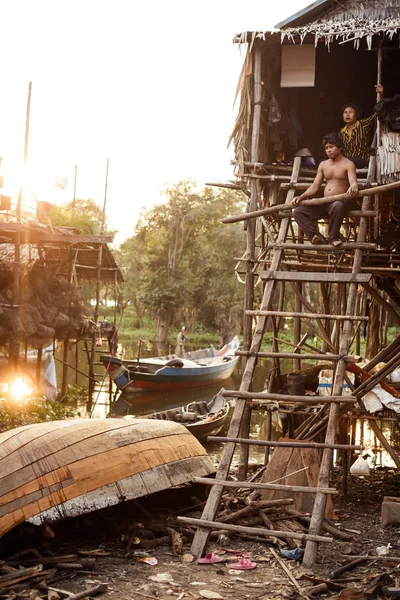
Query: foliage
point(179, 264)
point(84, 216)
point(74, 395)
point(34, 410)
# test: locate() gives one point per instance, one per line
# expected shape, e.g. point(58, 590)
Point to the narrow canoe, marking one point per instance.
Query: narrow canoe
point(201, 418)
point(59, 469)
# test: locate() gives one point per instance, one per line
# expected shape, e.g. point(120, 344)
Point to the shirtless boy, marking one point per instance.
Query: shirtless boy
point(340, 175)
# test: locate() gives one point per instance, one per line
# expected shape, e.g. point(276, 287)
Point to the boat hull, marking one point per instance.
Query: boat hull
point(61, 469)
point(171, 379)
point(205, 367)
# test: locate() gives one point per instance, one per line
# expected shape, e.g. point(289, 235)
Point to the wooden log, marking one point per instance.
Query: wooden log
point(20, 575)
point(92, 591)
point(253, 507)
point(333, 531)
point(268, 523)
point(333, 585)
point(281, 444)
point(265, 486)
point(43, 560)
point(349, 566)
point(379, 189)
point(255, 530)
point(176, 538)
point(316, 589)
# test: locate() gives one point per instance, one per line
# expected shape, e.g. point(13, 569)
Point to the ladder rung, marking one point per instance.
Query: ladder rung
point(326, 247)
point(351, 213)
point(255, 530)
point(264, 486)
point(305, 356)
point(285, 398)
point(305, 185)
point(316, 277)
point(283, 444)
point(305, 315)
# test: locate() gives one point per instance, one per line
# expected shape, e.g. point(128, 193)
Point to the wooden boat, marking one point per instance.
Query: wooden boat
point(195, 369)
point(201, 418)
point(61, 469)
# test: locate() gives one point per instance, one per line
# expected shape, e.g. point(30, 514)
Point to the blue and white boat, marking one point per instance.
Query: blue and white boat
point(195, 369)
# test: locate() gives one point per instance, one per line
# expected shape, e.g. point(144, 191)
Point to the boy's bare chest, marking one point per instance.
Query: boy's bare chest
point(335, 172)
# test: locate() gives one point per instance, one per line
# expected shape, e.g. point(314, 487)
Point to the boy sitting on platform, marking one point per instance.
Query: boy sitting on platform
point(340, 176)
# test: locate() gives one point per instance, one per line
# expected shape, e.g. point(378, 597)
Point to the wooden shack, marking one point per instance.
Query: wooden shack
point(293, 84)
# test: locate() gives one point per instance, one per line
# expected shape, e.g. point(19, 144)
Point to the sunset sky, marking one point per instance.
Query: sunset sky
point(149, 85)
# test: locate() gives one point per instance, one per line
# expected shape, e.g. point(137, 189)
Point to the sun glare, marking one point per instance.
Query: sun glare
point(20, 389)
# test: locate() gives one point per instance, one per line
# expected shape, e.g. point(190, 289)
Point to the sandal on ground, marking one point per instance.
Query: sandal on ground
point(242, 564)
point(210, 559)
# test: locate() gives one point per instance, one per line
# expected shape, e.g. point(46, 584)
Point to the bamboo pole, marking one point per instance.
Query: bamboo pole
point(297, 322)
point(92, 379)
point(255, 196)
point(16, 284)
point(379, 189)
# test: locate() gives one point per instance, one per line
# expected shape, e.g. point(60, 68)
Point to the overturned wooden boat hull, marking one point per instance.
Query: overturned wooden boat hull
point(50, 471)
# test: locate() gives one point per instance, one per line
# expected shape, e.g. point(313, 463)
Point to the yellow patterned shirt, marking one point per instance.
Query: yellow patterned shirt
point(357, 141)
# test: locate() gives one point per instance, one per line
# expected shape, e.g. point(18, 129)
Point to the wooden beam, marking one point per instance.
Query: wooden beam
point(379, 189)
point(282, 444)
point(315, 277)
point(289, 397)
point(308, 356)
point(286, 315)
point(325, 247)
point(304, 489)
point(254, 530)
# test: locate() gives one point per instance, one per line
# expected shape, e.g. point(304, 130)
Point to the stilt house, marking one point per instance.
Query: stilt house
point(293, 84)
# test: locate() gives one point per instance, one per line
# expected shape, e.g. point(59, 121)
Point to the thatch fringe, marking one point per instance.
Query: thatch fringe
point(241, 134)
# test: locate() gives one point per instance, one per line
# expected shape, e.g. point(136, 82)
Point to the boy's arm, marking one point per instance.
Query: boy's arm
point(313, 189)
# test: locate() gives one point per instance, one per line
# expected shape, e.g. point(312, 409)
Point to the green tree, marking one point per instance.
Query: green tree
point(180, 261)
point(84, 216)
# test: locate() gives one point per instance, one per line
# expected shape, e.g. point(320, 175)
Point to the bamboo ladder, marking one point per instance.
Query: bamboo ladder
point(240, 422)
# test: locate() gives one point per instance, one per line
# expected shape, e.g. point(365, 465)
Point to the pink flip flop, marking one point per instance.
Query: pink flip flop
point(210, 559)
point(242, 564)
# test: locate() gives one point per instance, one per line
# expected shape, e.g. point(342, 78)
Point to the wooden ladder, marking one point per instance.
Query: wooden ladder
point(240, 421)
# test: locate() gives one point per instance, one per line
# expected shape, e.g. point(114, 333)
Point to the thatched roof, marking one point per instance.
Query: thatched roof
point(331, 20)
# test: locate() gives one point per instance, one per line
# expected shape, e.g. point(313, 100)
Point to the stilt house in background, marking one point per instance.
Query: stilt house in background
point(292, 86)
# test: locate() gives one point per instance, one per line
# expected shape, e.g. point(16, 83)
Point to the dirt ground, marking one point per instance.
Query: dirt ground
point(110, 530)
